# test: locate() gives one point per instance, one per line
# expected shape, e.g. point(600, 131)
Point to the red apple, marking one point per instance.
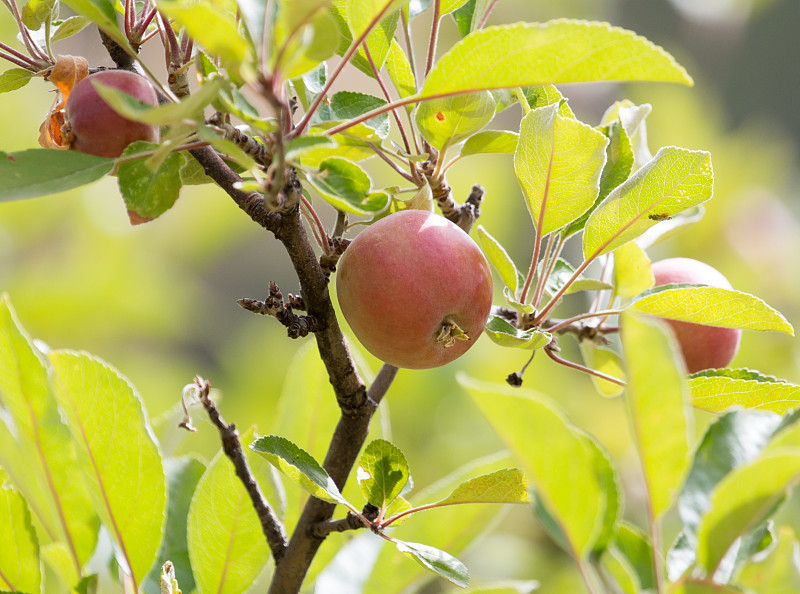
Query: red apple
point(415, 289)
point(703, 347)
point(96, 127)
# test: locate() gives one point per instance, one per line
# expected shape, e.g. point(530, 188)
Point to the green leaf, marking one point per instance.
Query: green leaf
point(716, 393)
point(615, 564)
point(499, 258)
point(148, 192)
point(299, 466)
point(20, 568)
point(449, 120)
point(305, 34)
point(676, 179)
point(490, 141)
point(227, 547)
point(190, 108)
point(579, 501)
point(183, 476)
point(632, 117)
point(102, 14)
point(120, 460)
point(555, 52)
point(437, 561)
point(562, 272)
point(725, 308)
point(633, 544)
point(742, 500)
point(346, 105)
point(36, 448)
point(558, 162)
point(504, 486)
point(383, 473)
point(504, 334)
point(345, 185)
point(400, 72)
point(632, 273)
point(38, 172)
point(657, 399)
point(222, 40)
point(448, 6)
point(362, 14)
point(70, 26)
point(298, 146)
point(464, 16)
point(14, 79)
point(697, 586)
point(734, 439)
point(619, 161)
point(452, 528)
point(544, 95)
point(36, 12)
point(605, 361)
point(777, 573)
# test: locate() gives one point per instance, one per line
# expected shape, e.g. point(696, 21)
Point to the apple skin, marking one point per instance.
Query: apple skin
point(405, 275)
point(96, 127)
point(703, 347)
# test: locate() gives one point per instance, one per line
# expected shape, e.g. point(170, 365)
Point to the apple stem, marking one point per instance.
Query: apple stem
point(578, 367)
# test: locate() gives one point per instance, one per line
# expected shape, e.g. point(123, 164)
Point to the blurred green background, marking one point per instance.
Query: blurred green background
point(159, 300)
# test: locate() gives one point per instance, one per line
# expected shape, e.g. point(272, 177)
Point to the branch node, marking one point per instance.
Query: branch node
point(274, 306)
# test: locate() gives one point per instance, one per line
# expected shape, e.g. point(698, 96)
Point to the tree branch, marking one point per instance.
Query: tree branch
point(272, 527)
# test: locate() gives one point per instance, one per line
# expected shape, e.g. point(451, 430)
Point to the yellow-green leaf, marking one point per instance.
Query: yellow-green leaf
point(447, 121)
point(558, 162)
point(497, 255)
point(744, 499)
point(606, 361)
point(777, 574)
point(399, 69)
point(657, 398)
point(560, 51)
point(20, 567)
point(713, 306)
point(120, 460)
point(579, 500)
point(504, 486)
point(632, 273)
point(717, 393)
point(383, 471)
point(674, 180)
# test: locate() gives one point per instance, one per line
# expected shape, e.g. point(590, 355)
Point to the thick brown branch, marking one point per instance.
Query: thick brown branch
point(463, 215)
point(272, 527)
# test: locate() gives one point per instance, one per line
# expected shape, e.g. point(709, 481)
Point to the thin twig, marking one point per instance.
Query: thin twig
point(272, 527)
point(578, 367)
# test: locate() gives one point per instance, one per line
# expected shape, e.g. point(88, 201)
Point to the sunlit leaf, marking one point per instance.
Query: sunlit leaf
point(70, 26)
point(346, 105)
point(36, 448)
point(345, 185)
point(555, 52)
point(712, 306)
point(183, 475)
point(222, 40)
point(504, 334)
point(632, 117)
point(382, 16)
point(619, 161)
point(299, 466)
point(385, 472)
point(614, 562)
point(657, 398)
point(499, 258)
point(400, 72)
point(717, 393)
point(437, 561)
point(36, 12)
point(490, 141)
point(605, 361)
point(579, 500)
point(37, 172)
point(102, 14)
point(227, 547)
point(744, 499)
point(676, 179)
point(447, 121)
point(632, 273)
point(120, 460)
point(20, 567)
point(778, 573)
point(504, 486)
point(14, 79)
point(631, 542)
point(558, 162)
point(562, 272)
point(305, 34)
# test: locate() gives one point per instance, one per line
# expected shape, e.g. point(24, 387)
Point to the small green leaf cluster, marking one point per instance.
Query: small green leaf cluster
point(384, 478)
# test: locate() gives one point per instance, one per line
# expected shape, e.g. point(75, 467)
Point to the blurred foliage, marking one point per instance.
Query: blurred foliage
point(158, 301)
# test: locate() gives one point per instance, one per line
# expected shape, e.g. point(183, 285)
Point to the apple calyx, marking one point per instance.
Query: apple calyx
point(450, 332)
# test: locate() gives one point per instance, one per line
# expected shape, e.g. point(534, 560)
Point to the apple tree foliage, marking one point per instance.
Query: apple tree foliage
point(82, 470)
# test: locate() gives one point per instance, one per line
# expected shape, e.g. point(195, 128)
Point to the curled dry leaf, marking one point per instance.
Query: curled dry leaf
point(65, 74)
